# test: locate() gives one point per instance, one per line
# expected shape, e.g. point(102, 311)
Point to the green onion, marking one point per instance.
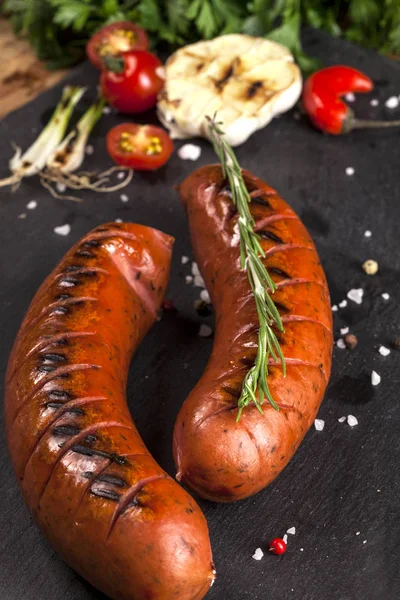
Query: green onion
point(35, 158)
point(69, 155)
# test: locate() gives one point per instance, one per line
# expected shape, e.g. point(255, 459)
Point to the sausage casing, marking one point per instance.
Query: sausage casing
point(97, 494)
point(217, 457)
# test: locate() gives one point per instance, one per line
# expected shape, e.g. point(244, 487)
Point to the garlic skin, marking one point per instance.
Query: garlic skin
point(245, 80)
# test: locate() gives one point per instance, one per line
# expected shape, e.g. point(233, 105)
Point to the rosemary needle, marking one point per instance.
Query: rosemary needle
point(261, 283)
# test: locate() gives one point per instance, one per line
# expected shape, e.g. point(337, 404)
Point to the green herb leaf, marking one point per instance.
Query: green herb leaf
point(73, 14)
point(253, 26)
point(206, 21)
point(194, 9)
point(110, 8)
point(255, 384)
point(59, 29)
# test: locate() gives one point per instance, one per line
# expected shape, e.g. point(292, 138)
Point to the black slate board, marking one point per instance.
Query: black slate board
point(342, 480)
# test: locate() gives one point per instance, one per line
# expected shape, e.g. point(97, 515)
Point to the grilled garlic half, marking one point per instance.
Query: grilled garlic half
point(245, 80)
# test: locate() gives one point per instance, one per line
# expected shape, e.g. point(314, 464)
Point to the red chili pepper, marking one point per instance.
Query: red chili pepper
point(277, 546)
point(322, 99)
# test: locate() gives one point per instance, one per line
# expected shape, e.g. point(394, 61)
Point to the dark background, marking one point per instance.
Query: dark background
point(342, 480)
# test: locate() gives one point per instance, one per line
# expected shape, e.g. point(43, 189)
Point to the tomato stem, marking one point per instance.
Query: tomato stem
point(115, 64)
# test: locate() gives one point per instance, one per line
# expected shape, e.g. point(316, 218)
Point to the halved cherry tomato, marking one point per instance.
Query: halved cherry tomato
point(141, 147)
point(115, 39)
point(130, 83)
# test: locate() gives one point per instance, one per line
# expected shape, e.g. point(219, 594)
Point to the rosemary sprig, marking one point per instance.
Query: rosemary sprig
point(261, 283)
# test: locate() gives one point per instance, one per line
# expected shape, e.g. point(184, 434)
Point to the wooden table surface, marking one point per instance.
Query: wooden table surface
point(22, 75)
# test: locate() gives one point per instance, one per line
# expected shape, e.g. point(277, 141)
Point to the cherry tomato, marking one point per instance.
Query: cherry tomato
point(114, 40)
point(131, 83)
point(277, 546)
point(141, 147)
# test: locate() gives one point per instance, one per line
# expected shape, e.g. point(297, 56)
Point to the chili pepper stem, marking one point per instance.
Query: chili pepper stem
point(365, 124)
point(351, 122)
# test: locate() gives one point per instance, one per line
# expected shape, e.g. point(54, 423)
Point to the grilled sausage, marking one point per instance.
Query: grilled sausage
point(97, 494)
point(218, 458)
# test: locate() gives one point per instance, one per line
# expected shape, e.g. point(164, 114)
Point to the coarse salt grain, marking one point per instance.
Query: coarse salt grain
point(89, 149)
point(374, 102)
point(106, 110)
point(62, 229)
point(205, 296)
point(285, 538)
point(319, 424)
point(189, 152)
point(384, 351)
point(60, 187)
point(367, 233)
point(340, 344)
point(184, 260)
point(344, 330)
point(334, 308)
point(118, 220)
point(205, 330)
point(198, 280)
point(301, 549)
point(358, 532)
point(356, 295)
point(350, 171)
point(375, 378)
point(121, 174)
point(22, 216)
point(352, 420)
point(385, 296)
point(124, 198)
point(343, 303)
point(365, 541)
point(292, 530)
point(31, 205)
point(350, 97)
point(392, 102)
point(341, 419)
point(258, 554)
point(188, 279)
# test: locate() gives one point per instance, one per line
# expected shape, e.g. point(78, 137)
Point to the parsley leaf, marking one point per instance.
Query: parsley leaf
point(59, 29)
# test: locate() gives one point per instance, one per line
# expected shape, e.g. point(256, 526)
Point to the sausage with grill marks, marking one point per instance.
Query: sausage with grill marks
point(216, 457)
point(97, 494)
